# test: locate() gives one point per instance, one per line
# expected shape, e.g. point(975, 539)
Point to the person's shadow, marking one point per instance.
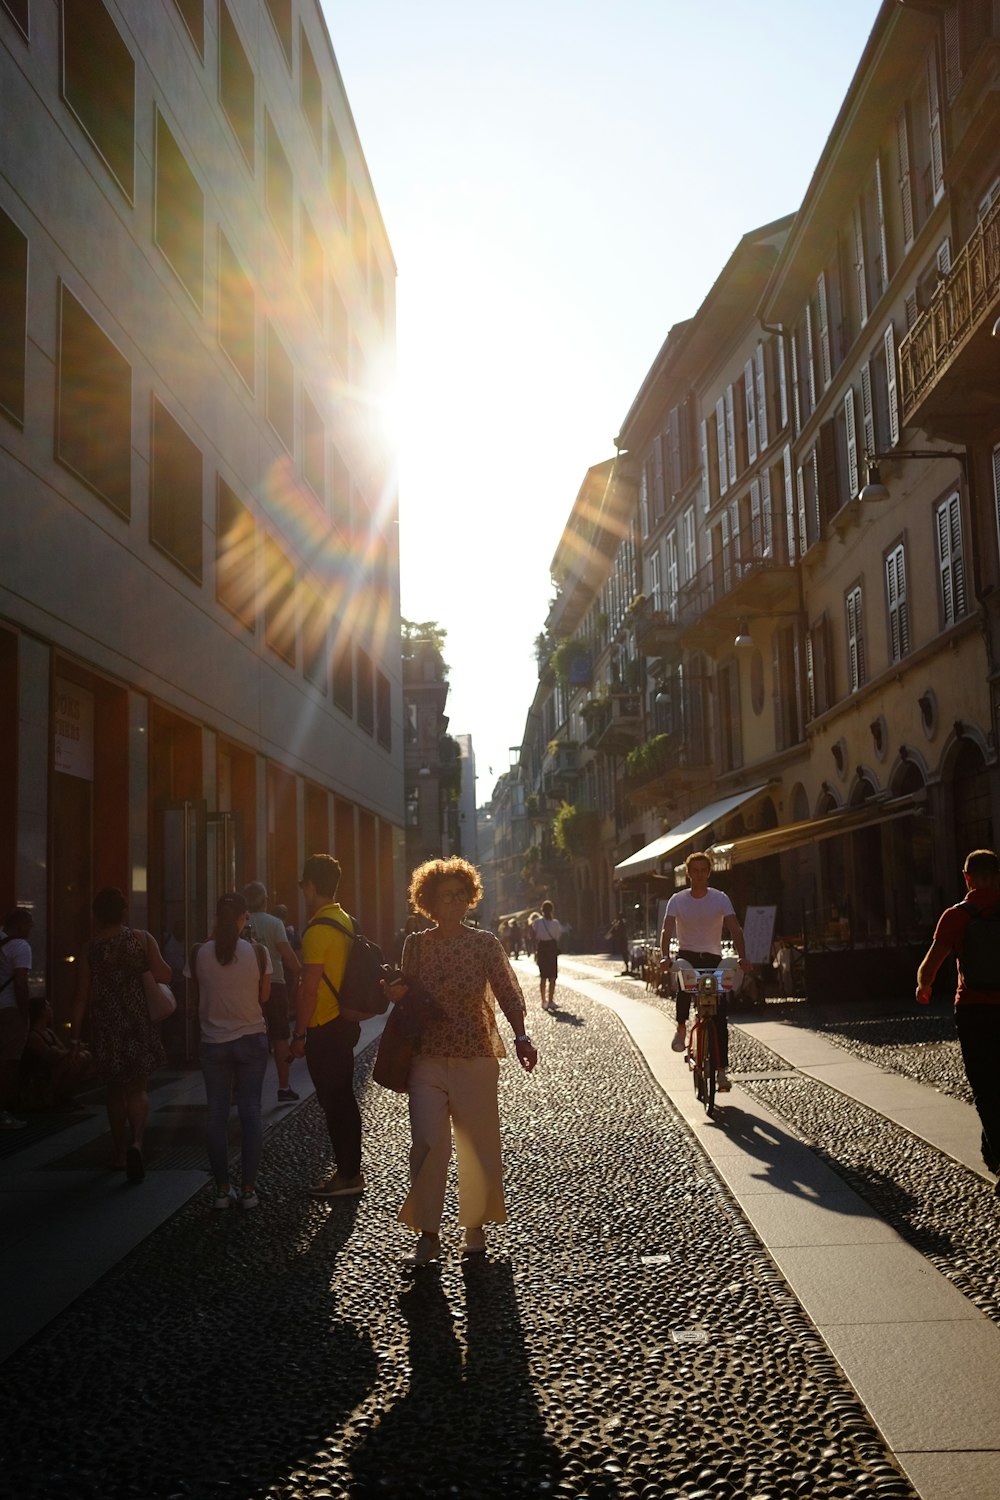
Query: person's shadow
point(469, 1424)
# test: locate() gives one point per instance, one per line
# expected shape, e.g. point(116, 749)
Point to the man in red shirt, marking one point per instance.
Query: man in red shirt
point(977, 1001)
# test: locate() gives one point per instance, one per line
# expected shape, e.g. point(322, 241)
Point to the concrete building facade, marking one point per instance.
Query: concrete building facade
point(199, 601)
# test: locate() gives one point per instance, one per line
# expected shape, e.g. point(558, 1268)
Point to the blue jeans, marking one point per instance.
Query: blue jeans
point(242, 1061)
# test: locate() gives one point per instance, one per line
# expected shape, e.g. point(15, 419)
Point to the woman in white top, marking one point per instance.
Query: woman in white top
point(547, 934)
point(233, 979)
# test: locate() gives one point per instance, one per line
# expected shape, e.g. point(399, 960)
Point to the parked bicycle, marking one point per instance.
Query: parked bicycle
point(706, 988)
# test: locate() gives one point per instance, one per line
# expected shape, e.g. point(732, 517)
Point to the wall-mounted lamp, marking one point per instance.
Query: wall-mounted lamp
point(744, 640)
point(996, 329)
point(839, 755)
point(877, 727)
point(927, 703)
point(874, 489)
point(424, 771)
point(662, 694)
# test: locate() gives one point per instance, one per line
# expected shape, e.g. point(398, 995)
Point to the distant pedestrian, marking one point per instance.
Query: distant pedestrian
point(515, 938)
point(15, 966)
point(618, 938)
point(454, 1075)
point(233, 979)
point(125, 1043)
point(971, 930)
point(324, 1035)
point(547, 932)
point(291, 931)
point(285, 969)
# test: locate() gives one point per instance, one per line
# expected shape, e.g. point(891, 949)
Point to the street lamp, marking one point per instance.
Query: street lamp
point(874, 489)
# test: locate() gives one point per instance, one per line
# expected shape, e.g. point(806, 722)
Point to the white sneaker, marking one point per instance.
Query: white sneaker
point(225, 1199)
point(249, 1200)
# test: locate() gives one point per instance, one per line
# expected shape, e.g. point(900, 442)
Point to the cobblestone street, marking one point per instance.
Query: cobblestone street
point(627, 1335)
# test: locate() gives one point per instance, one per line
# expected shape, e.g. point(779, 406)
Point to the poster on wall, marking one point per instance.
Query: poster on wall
point(73, 730)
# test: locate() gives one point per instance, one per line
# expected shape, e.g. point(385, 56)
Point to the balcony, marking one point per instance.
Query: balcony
point(727, 591)
point(656, 632)
point(659, 768)
point(614, 723)
point(948, 360)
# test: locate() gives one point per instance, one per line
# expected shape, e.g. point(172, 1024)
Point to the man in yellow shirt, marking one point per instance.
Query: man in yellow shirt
point(322, 1035)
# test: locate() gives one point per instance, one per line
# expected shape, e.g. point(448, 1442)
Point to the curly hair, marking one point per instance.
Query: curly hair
point(427, 877)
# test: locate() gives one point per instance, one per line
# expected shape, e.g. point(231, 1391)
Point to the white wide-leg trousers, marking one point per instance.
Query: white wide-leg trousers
point(457, 1093)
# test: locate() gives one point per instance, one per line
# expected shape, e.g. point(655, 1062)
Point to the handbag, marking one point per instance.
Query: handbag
point(398, 1041)
point(160, 999)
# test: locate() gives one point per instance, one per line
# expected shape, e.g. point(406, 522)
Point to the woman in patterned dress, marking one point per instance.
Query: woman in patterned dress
point(125, 1043)
point(455, 1071)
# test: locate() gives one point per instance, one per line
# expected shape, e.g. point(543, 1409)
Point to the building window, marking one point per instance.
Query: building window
point(895, 598)
point(98, 85)
point(729, 727)
point(690, 545)
point(340, 327)
point(819, 668)
point(383, 711)
point(175, 493)
point(236, 83)
point(280, 12)
point(280, 395)
point(359, 238)
point(313, 449)
point(235, 557)
point(310, 91)
point(314, 621)
point(19, 12)
point(336, 170)
point(311, 250)
point(340, 480)
point(413, 807)
point(237, 331)
point(951, 557)
point(13, 317)
point(366, 691)
point(179, 219)
point(278, 186)
point(787, 692)
point(193, 13)
point(856, 671)
point(94, 419)
point(343, 674)
point(279, 602)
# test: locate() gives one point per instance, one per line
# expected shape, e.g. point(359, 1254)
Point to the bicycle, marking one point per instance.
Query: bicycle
point(706, 987)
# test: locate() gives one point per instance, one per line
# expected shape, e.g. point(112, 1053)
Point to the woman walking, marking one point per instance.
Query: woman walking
point(547, 932)
point(125, 1042)
point(233, 977)
point(456, 1069)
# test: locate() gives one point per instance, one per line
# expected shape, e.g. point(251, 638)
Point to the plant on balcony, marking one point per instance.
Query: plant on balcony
point(571, 661)
point(648, 759)
point(576, 830)
point(592, 710)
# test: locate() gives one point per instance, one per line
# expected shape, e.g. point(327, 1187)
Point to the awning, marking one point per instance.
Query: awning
point(794, 835)
point(647, 861)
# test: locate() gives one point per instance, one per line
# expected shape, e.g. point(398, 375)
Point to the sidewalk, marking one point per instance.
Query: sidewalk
point(924, 1360)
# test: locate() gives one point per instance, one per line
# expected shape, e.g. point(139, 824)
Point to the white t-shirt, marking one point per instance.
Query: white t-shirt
point(547, 929)
point(270, 931)
point(229, 994)
point(699, 919)
point(14, 955)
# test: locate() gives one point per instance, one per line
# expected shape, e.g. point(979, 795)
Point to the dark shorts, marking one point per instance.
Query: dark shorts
point(547, 958)
point(276, 1013)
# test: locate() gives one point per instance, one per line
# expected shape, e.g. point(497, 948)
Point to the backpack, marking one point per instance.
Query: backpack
point(979, 959)
point(361, 988)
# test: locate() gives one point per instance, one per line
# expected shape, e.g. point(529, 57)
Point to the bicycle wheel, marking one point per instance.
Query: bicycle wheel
point(697, 1050)
point(710, 1053)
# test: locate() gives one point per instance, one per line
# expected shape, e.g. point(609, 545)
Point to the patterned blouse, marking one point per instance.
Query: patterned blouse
point(460, 972)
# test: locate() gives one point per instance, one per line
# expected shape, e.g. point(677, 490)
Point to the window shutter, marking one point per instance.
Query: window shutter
point(852, 444)
point(761, 382)
point(720, 431)
point(790, 511)
point(810, 678)
point(855, 640)
point(796, 404)
point(810, 360)
point(726, 550)
point(751, 406)
point(817, 516)
point(912, 310)
point(883, 243)
point(895, 587)
point(756, 532)
point(859, 266)
point(705, 484)
point(823, 314)
point(803, 538)
point(731, 434)
point(822, 662)
point(766, 520)
point(776, 688)
point(996, 487)
point(890, 382)
point(644, 501)
point(779, 352)
point(957, 557)
point(952, 52)
point(942, 257)
point(944, 565)
point(934, 118)
point(676, 480)
point(868, 409)
point(905, 184)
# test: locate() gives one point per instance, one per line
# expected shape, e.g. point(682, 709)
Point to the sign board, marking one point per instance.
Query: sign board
point(758, 930)
point(73, 730)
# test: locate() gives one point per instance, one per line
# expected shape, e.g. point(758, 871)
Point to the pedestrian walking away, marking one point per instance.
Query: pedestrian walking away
point(285, 969)
point(125, 1042)
point(232, 977)
point(697, 916)
point(15, 966)
point(547, 932)
point(323, 1035)
point(618, 938)
point(971, 930)
point(456, 1067)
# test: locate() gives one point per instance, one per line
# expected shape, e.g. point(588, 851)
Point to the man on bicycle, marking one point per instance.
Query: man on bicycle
point(697, 917)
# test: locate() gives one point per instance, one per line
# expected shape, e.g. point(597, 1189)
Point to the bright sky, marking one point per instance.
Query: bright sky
point(561, 181)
